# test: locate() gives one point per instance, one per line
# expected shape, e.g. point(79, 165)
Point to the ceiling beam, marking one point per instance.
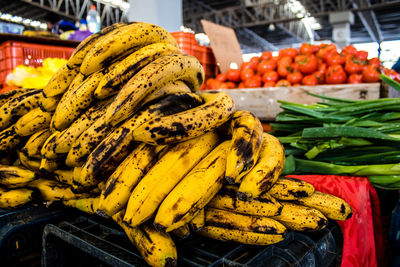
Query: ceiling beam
point(368, 19)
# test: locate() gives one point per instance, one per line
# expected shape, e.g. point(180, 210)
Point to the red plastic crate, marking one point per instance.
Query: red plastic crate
point(14, 53)
point(186, 41)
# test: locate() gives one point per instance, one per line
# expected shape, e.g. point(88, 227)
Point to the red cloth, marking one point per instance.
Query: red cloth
point(362, 233)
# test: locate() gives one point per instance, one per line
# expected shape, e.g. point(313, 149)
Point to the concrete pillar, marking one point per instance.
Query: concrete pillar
point(341, 22)
point(165, 13)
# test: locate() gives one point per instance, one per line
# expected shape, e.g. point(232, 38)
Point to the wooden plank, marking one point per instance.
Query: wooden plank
point(263, 101)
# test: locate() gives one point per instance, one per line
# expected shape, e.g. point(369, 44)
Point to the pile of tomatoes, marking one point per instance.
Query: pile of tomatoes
point(308, 65)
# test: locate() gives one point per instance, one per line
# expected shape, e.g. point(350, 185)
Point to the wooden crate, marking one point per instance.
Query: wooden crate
point(263, 101)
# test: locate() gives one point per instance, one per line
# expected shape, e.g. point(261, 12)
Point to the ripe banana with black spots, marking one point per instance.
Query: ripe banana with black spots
point(18, 106)
point(9, 140)
point(114, 80)
point(49, 104)
point(151, 78)
point(88, 205)
point(75, 101)
point(290, 189)
point(60, 81)
point(151, 190)
point(32, 164)
point(107, 155)
point(245, 148)
point(182, 232)
point(15, 176)
point(51, 190)
point(331, 206)
point(32, 122)
point(266, 171)
point(254, 230)
point(198, 221)
point(227, 199)
point(173, 87)
point(216, 110)
point(122, 39)
point(7, 96)
point(65, 176)
point(13, 198)
point(47, 150)
point(35, 143)
point(48, 166)
point(157, 249)
point(65, 140)
point(301, 218)
point(119, 185)
point(83, 185)
point(195, 190)
point(86, 45)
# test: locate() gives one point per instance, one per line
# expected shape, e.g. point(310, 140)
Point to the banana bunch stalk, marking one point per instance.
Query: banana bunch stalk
point(120, 131)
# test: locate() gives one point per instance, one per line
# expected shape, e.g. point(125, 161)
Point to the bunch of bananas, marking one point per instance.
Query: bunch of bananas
point(119, 131)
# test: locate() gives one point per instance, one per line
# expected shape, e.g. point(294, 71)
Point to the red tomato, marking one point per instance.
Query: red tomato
point(221, 77)
point(241, 85)
point(276, 59)
point(266, 55)
point(322, 68)
point(354, 65)
point(294, 77)
point(320, 76)
point(266, 65)
point(283, 83)
point(294, 66)
point(335, 58)
point(285, 61)
point(355, 78)
point(371, 74)
point(324, 48)
point(374, 61)
point(209, 82)
point(283, 70)
point(297, 84)
point(363, 55)
point(291, 52)
point(233, 75)
point(253, 82)
point(223, 86)
point(349, 50)
point(246, 74)
point(269, 84)
point(308, 63)
point(328, 54)
point(335, 75)
point(231, 85)
point(309, 80)
point(270, 76)
point(308, 48)
point(253, 63)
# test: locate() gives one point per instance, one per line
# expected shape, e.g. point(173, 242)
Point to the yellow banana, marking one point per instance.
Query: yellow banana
point(47, 150)
point(245, 148)
point(253, 230)
point(86, 45)
point(301, 218)
point(49, 165)
point(49, 104)
point(106, 156)
point(157, 249)
point(129, 37)
point(195, 190)
point(148, 194)
point(35, 143)
point(75, 101)
point(151, 78)
point(266, 171)
point(65, 176)
point(51, 190)
point(7, 96)
point(331, 206)
point(182, 232)
point(18, 106)
point(198, 221)
point(118, 188)
point(227, 199)
point(83, 185)
point(15, 176)
point(216, 110)
point(9, 139)
point(290, 189)
point(88, 205)
point(32, 164)
point(60, 81)
point(15, 197)
point(129, 66)
point(173, 87)
point(32, 122)
point(67, 137)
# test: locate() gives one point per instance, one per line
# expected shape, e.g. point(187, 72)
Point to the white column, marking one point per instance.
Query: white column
point(164, 13)
point(341, 22)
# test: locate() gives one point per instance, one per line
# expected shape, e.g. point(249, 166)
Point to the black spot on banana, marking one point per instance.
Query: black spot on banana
point(9, 140)
point(7, 96)
point(290, 189)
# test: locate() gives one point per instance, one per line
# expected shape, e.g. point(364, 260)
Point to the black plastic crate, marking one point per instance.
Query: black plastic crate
point(94, 241)
point(21, 233)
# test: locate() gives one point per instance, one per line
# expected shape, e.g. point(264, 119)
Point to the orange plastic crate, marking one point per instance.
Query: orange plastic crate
point(14, 53)
point(186, 41)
